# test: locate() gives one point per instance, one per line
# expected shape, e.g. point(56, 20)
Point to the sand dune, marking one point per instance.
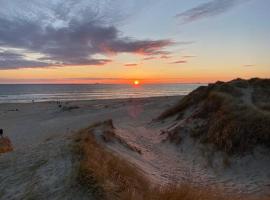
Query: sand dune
point(42, 158)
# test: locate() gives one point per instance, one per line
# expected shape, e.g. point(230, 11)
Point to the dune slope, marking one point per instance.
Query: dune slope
point(234, 116)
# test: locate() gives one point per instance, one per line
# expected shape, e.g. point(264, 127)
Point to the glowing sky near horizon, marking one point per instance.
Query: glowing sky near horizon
point(115, 41)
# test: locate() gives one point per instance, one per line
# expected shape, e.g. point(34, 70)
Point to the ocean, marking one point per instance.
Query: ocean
point(25, 93)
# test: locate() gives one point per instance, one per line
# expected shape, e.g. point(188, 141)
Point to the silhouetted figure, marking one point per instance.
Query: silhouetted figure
point(1, 133)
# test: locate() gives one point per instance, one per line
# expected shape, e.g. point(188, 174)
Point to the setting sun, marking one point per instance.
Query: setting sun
point(136, 82)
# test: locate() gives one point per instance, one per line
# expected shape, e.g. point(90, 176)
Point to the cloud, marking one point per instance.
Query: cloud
point(149, 58)
point(142, 47)
point(179, 62)
point(10, 60)
point(131, 65)
point(189, 56)
point(250, 65)
point(208, 9)
point(165, 57)
point(66, 33)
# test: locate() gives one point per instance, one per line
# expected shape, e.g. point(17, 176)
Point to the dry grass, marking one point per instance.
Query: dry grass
point(5, 145)
point(104, 174)
point(188, 192)
point(232, 124)
point(189, 100)
point(109, 136)
point(174, 135)
point(232, 127)
point(108, 177)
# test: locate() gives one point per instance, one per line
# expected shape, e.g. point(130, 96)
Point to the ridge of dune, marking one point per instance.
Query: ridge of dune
point(233, 116)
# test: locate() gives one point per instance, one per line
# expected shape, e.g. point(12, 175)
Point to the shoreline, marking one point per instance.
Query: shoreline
point(92, 100)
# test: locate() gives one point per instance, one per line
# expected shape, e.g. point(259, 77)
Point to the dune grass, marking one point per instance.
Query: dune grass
point(235, 114)
point(104, 174)
point(107, 176)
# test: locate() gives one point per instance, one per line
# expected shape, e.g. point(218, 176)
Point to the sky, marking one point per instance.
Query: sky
point(116, 41)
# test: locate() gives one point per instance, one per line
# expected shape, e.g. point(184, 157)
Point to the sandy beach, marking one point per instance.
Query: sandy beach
point(41, 135)
point(41, 132)
point(33, 123)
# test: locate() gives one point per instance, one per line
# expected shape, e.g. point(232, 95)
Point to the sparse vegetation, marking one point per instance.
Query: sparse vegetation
point(235, 115)
point(5, 145)
point(104, 174)
point(173, 135)
point(189, 100)
point(108, 135)
point(107, 176)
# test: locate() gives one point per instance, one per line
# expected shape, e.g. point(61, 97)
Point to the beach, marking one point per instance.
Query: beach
point(41, 134)
point(32, 123)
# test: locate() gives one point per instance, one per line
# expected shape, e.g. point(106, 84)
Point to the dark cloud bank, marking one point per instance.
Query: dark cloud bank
point(63, 36)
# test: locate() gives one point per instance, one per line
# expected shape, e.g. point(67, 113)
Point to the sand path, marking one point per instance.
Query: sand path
point(168, 163)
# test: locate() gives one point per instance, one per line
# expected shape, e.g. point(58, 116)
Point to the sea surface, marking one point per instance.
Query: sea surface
point(26, 93)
